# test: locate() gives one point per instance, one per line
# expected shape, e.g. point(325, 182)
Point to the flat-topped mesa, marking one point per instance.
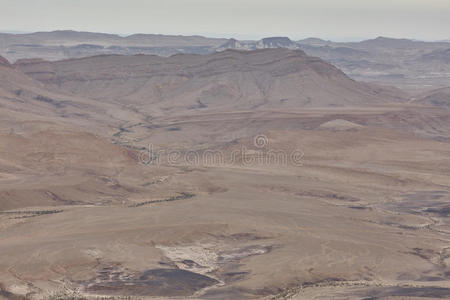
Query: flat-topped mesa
point(276, 42)
point(4, 62)
point(270, 42)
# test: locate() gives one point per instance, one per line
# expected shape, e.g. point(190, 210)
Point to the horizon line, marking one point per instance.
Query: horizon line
point(240, 37)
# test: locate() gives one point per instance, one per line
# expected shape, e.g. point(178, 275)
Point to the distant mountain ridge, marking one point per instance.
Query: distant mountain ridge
point(66, 44)
point(404, 63)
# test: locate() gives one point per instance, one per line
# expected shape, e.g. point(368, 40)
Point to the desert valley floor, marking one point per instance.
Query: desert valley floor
point(145, 177)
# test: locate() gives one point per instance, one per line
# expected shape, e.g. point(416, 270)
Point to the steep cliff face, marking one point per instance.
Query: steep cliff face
point(4, 62)
point(266, 43)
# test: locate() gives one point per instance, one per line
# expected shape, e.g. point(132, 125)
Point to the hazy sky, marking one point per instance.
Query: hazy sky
point(334, 19)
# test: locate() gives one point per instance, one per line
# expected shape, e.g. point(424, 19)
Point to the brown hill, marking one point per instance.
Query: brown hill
point(338, 125)
point(237, 80)
point(22, 97)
